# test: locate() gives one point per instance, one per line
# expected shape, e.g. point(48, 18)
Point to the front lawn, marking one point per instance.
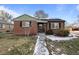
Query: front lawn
point(69, 47)
point(16, 45)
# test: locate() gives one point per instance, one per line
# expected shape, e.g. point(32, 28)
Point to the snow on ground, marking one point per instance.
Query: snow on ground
point(52, 37)
point(40, 47)
point(74, 33)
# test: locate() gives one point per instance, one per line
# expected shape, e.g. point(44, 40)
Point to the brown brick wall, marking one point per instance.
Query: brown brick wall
point(21, 31)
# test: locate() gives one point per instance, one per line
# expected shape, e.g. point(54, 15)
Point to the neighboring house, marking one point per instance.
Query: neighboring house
point(4, 24)
point(73, 27)
point(28, 25)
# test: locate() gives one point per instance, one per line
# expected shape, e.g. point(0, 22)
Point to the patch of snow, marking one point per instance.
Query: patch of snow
point(63, 54)
point(53, 38)
point(11, 48)
point(74, 33)
point(52, 53)
point(58, 49)
point(52, 45)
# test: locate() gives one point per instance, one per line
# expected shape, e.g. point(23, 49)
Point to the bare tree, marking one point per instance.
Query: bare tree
point(41, 14)
point(8, 18)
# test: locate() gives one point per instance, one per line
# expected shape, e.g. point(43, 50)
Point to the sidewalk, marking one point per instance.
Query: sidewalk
point(40, 47)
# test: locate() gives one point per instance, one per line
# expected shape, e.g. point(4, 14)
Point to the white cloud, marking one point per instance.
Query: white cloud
point(60, 7)
point(77, 7)
point(8, 10)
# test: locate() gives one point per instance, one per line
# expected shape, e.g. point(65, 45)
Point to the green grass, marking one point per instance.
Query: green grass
point(16, 45)
point(70, 47)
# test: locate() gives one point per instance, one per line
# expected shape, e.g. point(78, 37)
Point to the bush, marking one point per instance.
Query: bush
point(49, 32)
point(8, 31)
point(62, 33)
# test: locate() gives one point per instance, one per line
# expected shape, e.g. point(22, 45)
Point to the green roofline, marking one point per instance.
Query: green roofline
point(23, 15)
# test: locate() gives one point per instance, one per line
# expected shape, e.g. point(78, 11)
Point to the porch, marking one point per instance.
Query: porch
point(43, 26)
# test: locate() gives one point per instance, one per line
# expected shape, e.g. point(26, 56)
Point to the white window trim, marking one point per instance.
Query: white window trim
point(26, 24)
point(55, 25)
point(40, 25)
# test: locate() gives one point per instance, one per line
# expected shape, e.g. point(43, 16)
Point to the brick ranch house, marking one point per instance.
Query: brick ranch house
point(28, 25)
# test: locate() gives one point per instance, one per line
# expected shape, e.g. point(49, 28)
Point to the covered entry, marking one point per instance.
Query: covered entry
point(42, 25)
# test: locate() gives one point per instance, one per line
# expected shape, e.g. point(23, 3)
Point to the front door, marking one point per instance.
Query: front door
point(41, 27)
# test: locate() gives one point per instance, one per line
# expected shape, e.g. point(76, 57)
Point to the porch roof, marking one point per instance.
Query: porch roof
point(58, 20)
point(41, 21)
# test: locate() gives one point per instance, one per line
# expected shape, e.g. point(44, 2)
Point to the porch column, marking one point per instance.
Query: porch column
point(61, 25)
point(45, 27)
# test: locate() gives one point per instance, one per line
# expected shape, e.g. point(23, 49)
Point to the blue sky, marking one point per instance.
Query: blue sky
point(67, 12)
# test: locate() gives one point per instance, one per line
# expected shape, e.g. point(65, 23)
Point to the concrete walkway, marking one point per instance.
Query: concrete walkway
point(40, 47)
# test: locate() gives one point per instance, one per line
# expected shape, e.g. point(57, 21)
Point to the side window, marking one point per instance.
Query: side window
point(54, 25)
point(20, 23)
